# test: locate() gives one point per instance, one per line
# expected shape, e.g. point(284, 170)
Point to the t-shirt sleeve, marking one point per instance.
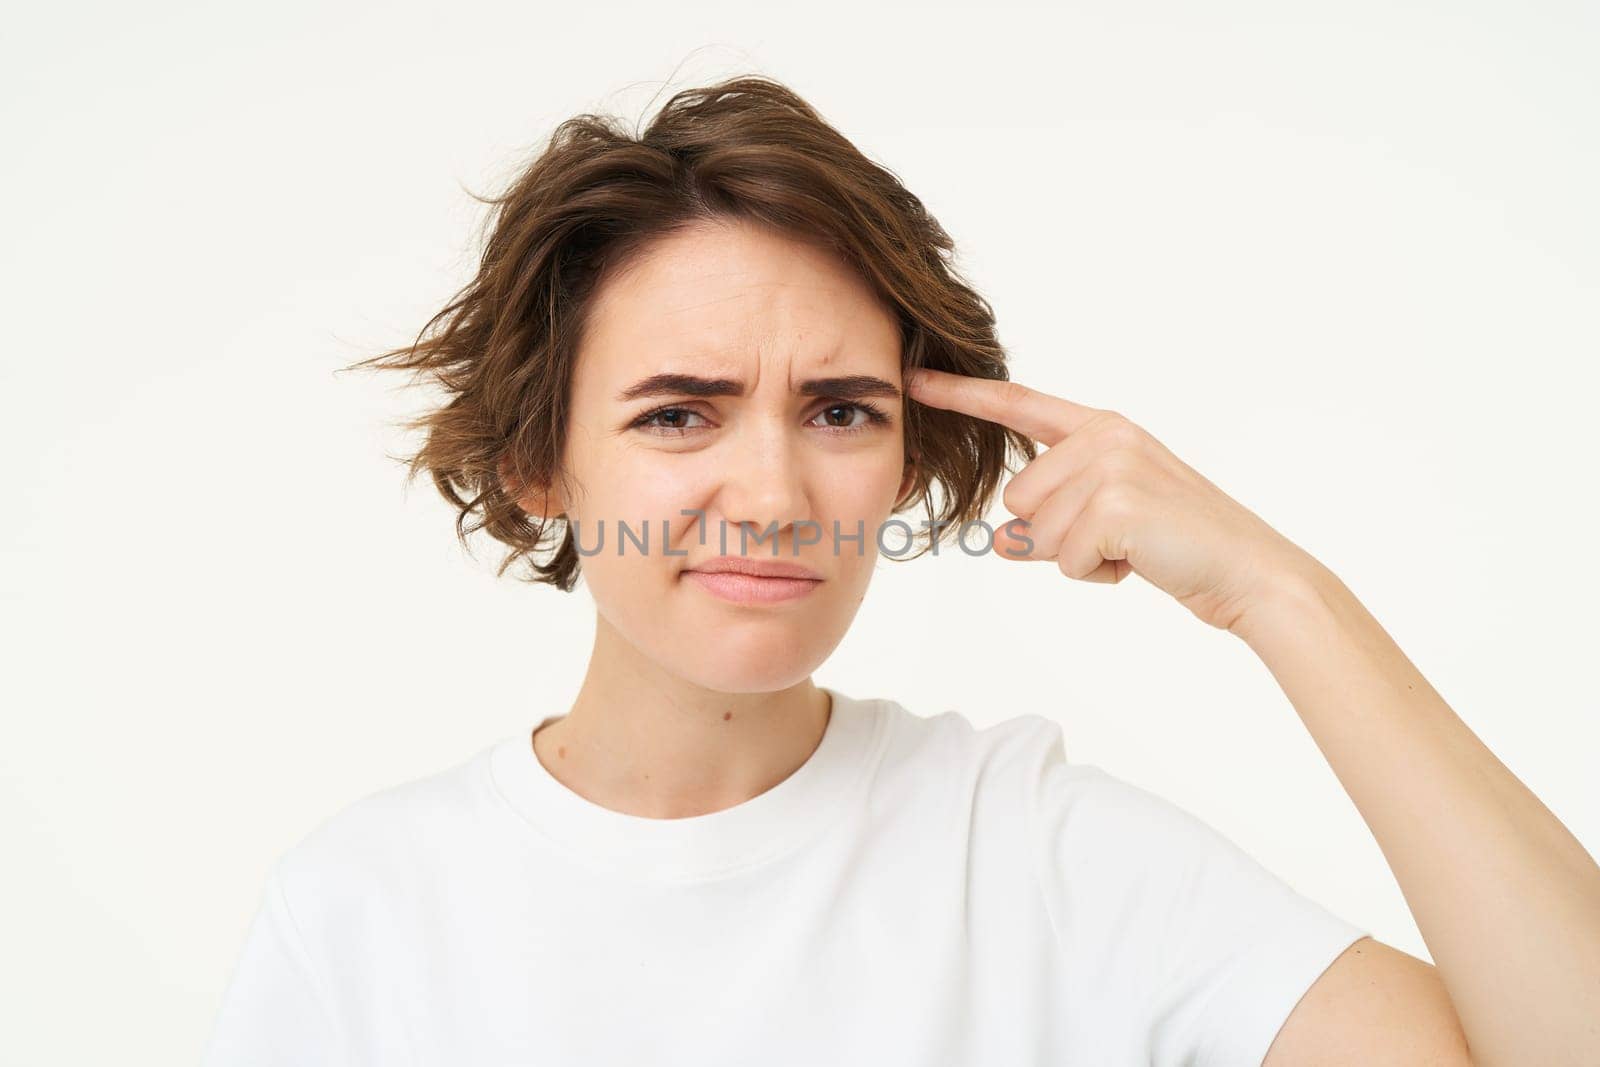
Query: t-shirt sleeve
point(274, 1012)
point(1178, 931)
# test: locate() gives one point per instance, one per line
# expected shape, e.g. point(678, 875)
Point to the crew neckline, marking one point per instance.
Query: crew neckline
point(696, 847)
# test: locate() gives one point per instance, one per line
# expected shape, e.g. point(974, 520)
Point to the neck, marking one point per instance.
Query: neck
point(643, 741)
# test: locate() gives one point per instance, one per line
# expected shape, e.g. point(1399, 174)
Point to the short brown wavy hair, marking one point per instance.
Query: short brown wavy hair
point(747, 148)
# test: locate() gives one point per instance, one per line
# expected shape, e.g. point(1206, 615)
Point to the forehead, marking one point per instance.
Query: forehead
point(727, 295)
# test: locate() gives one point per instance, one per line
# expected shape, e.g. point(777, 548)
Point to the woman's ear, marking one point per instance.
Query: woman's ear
point(536, 500)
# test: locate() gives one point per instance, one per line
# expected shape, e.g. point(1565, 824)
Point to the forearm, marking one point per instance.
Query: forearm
point(1505, 897)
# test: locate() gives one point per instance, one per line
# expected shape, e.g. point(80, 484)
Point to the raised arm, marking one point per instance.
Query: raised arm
point(1505, 897)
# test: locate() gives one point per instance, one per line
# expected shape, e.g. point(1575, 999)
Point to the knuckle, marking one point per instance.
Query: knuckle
point(1108, 417)
point(1113, 502)
point(1114, 465)
point(1120, 433)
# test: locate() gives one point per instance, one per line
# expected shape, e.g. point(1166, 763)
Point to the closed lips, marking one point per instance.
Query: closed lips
point(757, 568)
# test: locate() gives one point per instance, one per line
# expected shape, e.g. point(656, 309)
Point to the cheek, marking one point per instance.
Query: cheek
point(864, 484)
point(624, 483)
point(647, 493)
point(860, 491)
point(639, 489)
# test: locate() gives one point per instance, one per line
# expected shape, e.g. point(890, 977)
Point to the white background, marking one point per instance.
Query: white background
point(1340, 257)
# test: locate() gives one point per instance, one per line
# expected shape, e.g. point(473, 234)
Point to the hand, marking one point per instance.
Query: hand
point(1106, 498)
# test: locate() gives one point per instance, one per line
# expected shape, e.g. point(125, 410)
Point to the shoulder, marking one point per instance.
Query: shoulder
point(951, 737)
point(1026, 756)
point(1023, 756)
point(1005, 780)
point(1157, 912)
point(381, 840)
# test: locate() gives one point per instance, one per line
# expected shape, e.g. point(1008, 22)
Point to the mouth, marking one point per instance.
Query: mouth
point(741, 580)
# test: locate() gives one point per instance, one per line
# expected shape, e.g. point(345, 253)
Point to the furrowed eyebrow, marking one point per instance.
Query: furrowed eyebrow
point(681, 385)
point(848, 387)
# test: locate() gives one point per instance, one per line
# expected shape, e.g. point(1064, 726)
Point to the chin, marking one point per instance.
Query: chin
point(751, 658)
point(751, 678)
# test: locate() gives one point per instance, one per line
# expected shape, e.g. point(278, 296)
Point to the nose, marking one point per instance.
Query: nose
point(763, 486)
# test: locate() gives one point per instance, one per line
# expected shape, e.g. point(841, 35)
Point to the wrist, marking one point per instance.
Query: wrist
point(1296, 589)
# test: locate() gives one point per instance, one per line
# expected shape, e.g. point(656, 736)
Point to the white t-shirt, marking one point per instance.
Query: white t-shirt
point(919, 891)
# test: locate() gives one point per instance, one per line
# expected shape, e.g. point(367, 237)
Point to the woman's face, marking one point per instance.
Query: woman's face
point(774, 450)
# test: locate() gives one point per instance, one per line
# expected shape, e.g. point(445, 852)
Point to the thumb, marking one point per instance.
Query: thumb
point(1013, 541)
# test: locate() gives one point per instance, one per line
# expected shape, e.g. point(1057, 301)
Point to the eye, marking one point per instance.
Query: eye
point(873, 416)
point(675, 428)
point(673, 420)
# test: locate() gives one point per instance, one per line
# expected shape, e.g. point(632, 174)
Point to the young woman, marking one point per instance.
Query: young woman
point(706, 367)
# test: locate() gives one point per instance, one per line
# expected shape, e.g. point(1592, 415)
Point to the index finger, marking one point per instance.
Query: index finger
point(1045, 418)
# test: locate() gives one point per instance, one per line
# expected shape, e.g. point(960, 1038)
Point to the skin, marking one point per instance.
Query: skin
point(667, 724)
point(1506, 899)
